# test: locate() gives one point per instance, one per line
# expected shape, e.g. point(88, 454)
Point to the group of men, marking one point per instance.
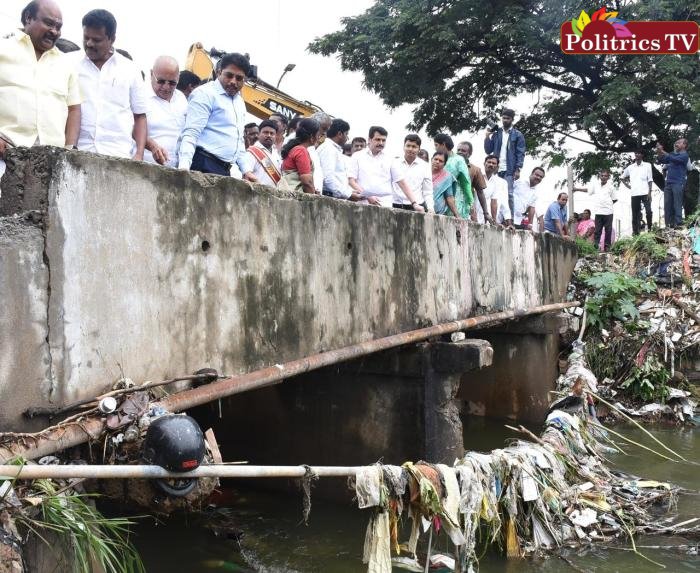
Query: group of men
point(100, 103)
point(360, 169)
point(638, 178)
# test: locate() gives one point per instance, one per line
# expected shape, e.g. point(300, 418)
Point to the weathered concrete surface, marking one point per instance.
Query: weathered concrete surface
point(524, 370)
point(25, 365)
point(155, 272)
point(445, 365)
point(396, 405)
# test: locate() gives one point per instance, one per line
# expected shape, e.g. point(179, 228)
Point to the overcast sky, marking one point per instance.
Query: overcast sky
point(274, 33)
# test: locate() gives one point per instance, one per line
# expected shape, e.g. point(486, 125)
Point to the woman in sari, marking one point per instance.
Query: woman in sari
point(586, 226)
point(444, 186)
point(297, 170)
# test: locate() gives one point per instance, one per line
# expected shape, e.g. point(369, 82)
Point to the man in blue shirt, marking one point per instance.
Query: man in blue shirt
point(675, 180)
point(212, 140)
point(556, 218)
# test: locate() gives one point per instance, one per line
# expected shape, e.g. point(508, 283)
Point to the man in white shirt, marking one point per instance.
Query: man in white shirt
point(605, 196)
point(417, 174)
point(333, 164)
point(373, 173)
point(324, 120)
point(640, 179)
point(267, 163)
point(167, 108)
point(113, 119)
point(496, 194)
point(525, 199)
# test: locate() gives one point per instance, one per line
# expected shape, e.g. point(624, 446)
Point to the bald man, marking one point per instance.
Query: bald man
point(40, 98)
point(166, 112)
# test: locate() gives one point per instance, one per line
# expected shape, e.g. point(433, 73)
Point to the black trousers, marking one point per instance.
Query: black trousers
point(205, 162)
point(603, 222)
point(637, 202)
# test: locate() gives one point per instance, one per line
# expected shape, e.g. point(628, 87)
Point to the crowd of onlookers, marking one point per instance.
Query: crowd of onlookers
point(101, 103)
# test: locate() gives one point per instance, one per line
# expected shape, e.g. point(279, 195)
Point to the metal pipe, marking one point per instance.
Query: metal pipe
point(58, 438)
point(36, 471)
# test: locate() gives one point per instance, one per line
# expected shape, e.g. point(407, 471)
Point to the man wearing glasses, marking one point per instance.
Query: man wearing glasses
point(212, 141)
point(167, 108)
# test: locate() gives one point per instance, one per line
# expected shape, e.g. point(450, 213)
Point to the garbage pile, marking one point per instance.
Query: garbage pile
point(528, 498)
point(641, 303)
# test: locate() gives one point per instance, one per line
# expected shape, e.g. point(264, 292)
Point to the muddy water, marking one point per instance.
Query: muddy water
point(273, 539)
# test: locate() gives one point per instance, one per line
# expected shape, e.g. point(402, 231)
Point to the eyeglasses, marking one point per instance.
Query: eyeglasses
point(161, 81)
point(232, 76)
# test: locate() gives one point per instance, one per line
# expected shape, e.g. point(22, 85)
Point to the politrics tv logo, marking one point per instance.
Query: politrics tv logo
point(604, 33)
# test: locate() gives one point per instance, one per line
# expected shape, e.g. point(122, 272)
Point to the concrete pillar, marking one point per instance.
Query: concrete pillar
point(525, 369)
point(444, 365)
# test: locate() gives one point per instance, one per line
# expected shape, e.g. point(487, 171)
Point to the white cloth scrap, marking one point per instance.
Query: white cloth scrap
point(368, 486)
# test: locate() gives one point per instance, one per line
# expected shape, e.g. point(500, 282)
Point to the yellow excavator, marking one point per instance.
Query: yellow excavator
point(261, 99)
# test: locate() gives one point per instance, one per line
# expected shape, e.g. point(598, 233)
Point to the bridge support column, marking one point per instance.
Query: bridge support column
point(516, 387)
point(444, 365)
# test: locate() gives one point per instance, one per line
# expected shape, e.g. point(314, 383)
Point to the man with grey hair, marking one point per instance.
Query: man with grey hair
point(166, 112)
point(324, 121)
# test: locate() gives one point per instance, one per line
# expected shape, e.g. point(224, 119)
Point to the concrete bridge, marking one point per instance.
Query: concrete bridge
point(111, 267)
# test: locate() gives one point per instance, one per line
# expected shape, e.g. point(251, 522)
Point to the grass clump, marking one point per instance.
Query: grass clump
point(640, 249)
point(585, 247)
point(96, 542)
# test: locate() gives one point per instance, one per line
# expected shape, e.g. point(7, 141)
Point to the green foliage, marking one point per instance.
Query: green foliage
point(585, 247)
point(614, 297)
point(96, 542)
point(644, 246)
point(648, 381)
point(439, 55)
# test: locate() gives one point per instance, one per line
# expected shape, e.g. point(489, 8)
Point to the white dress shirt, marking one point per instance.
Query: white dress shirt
point(503, 155)
point(165, 122)
point(501, 195)
point(639, 176)
point(375, 175)
point(603, 197)
point(334, 166)
point(318, 168)
point(495, 189)
point(524, 197)
point(419, 179)
point(111, 97)
point(259, 171)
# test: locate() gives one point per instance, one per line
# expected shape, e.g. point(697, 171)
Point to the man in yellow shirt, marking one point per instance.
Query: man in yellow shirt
point(39, 93)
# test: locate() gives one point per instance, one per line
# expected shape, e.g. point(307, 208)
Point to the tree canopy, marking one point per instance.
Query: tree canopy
point(459, 61)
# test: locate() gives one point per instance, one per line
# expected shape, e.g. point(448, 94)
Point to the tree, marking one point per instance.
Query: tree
point(459, 61)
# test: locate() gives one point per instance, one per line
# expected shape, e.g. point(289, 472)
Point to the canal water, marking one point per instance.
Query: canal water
point(270, 537)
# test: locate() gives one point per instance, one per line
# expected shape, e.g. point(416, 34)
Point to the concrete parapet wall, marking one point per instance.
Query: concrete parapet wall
point(130, 268)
